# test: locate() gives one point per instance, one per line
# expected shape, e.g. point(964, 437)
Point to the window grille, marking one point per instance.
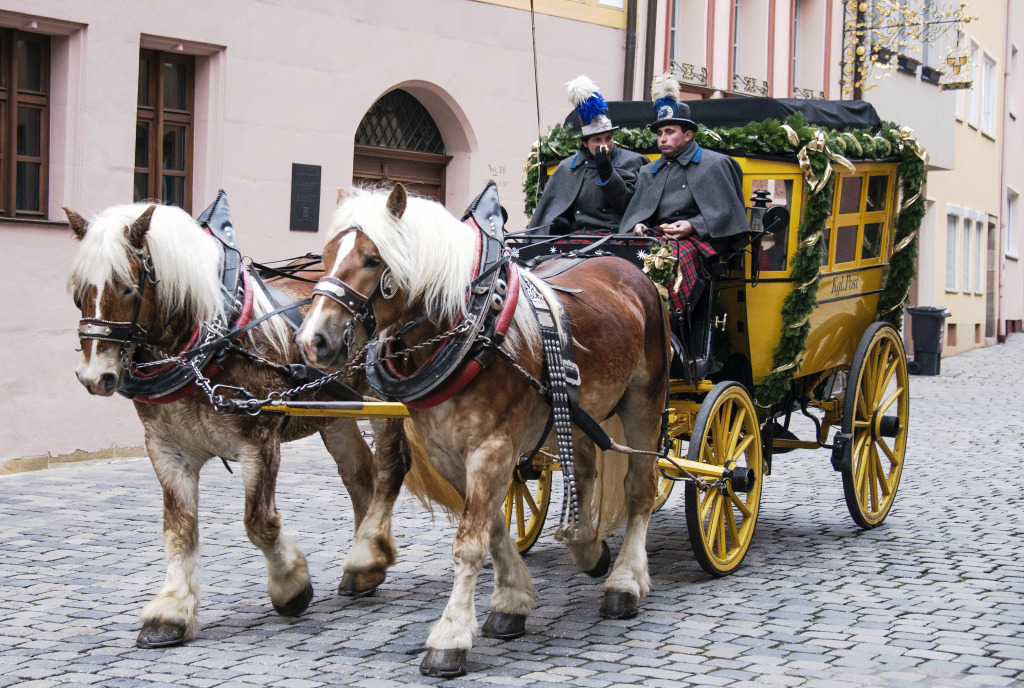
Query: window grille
point(399, 121)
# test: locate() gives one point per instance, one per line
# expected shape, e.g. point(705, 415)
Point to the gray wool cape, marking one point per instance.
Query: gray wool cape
point(716, 183)
point(564, 186)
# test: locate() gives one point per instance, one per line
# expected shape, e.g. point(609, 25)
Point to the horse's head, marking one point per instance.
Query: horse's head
point(359, 294)
point(123, 255)
point(114, 307)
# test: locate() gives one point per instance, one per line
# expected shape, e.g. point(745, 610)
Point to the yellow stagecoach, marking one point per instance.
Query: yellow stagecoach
point(803, 320)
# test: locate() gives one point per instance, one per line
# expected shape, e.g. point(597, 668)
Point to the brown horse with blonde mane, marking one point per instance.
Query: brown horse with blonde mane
point(398, 273)
point(153, 285)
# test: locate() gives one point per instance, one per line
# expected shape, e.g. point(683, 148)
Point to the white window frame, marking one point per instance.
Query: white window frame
point(988, 94)
point(1012, 222)
point(972, 94)
point(1011, 83)
point(966, 232)
point(980, 255)
point(954, 217)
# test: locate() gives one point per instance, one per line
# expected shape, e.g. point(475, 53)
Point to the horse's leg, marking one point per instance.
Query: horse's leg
point(373, 549)
point(512, 600)
point(355, 463)
point(630, 581)
point(487, 474)
point(590, 555)
point(288, 582)
point(170, 618)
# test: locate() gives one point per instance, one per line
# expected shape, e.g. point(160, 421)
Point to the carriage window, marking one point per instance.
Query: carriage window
point(849, 197)
point(846, 244)
point(871, 247)
point(24, 123)
point(772, 254)
point(877, 187)
point(163, 131)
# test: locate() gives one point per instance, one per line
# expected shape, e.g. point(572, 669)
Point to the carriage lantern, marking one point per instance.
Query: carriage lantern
point(755, 213)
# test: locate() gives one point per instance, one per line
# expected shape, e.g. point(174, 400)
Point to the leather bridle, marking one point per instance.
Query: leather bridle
point(360, 306)
point(130, 334)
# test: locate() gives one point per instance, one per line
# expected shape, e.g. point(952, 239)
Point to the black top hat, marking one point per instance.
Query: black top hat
point(668, 108)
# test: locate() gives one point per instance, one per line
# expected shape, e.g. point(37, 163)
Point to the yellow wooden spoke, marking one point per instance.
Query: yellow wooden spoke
point(529, 501)
point(508, 505)
point(880, 475)
point(884, 379)
point(742, 449)
point(740, 504)
point(893, 459)
point(888, 401)
point(707, 501)
point(734, 434)
point(730, 518)
point(719, 527)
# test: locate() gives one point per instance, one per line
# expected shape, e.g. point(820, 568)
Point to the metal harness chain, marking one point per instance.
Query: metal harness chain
point(252, 406)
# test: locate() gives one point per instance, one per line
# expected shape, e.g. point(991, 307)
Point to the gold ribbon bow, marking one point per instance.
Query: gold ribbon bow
point(817, 144)
point(907, 138)
point(712, 134)
point(904, 243)
point(791, 134)
point(856, 144)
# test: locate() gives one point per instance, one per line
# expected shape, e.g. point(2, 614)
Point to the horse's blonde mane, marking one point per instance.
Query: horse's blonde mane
point(430, 252)
point(186, 260)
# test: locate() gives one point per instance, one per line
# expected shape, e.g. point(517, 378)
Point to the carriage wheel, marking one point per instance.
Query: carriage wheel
point(876, 412)
point(721, 518)
point(526, 504)
point(665, 486)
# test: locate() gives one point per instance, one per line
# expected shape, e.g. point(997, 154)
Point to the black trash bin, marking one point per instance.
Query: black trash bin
point(927, 326)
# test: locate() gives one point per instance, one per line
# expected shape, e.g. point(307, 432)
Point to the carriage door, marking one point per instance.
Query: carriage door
point(398, 141)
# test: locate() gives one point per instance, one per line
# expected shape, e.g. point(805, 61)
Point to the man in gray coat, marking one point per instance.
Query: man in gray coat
point(589, 191)
point(692, 196)
point(689, 191)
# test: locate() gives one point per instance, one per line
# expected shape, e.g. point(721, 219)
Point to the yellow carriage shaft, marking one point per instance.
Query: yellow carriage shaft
point(339, 409)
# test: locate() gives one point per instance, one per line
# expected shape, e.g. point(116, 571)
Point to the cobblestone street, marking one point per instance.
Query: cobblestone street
point(933, 597)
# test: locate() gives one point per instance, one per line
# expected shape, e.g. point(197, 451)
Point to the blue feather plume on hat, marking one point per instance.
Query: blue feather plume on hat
point(586, 99)
point(665, 92)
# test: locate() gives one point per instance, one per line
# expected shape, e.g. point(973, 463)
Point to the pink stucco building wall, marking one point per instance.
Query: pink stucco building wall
point(276, 83)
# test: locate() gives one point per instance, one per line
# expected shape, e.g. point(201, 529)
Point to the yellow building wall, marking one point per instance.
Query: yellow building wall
point(972, 190)
point(604, 12)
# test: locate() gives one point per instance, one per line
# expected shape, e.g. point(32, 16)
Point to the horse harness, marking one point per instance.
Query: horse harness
point(182, 375)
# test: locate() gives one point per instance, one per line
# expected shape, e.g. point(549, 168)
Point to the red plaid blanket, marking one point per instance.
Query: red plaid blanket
point(691, 255)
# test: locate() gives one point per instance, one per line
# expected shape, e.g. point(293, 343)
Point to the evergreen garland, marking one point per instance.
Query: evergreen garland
point(817, 150)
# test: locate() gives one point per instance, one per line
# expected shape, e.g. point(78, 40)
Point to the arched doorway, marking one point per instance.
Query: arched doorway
point(398, 141)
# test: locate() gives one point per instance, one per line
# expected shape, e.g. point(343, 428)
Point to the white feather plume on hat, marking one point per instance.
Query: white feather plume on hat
point(668, 109)
point(664, 86)
point(590, 105)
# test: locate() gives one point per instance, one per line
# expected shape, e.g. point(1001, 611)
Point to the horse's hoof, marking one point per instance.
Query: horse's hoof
point(603, 563)
point(156, 634)
point(619, 605)
point(504, 626)
point(361, 584)
point(444, 663)
point(297, 604)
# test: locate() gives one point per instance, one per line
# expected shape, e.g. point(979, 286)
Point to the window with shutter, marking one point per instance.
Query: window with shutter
point(966, 236)
point(951, 222)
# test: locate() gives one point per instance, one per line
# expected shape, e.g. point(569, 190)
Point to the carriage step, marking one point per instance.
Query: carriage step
point(841, 451)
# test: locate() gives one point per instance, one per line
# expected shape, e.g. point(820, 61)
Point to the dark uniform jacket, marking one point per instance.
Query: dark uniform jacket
point(575, 193)
point(699, 185)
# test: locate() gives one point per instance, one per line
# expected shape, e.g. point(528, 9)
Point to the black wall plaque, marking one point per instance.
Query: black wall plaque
point(305, 213)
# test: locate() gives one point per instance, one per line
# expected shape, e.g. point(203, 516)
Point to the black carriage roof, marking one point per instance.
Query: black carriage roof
point(736, 112)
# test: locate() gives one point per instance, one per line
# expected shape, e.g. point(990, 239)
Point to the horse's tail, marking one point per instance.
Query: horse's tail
point(424, 481)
